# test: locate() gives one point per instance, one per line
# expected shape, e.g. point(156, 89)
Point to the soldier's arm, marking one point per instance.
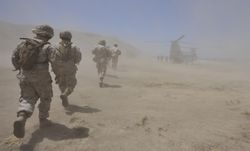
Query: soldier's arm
point(51, 53)
point(50, 50)
point(77, 55)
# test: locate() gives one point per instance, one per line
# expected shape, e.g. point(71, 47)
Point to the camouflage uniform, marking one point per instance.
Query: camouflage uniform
point(102, 56)
point(115, 54)
point(64, 66)
point(35, 83)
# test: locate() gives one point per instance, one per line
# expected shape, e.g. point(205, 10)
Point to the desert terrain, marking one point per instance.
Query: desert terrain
point(145, 106)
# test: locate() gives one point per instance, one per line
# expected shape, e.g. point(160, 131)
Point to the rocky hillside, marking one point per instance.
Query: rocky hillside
point(10, 34)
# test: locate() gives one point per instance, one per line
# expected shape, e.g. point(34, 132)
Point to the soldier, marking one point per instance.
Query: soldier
point(115, 54)
point(65, 59)
point(31, 58)
point(102, 56)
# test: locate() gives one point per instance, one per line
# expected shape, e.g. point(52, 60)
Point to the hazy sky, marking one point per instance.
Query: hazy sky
point(216, 27)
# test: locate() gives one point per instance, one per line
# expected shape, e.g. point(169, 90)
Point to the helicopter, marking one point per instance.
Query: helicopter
point(177, 55)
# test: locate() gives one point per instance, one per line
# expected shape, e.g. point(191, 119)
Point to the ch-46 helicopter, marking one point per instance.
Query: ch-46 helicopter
point(180, 53)
point(177, 55)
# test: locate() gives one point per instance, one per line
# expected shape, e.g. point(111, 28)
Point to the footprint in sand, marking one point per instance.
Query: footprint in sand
point(233, 104)
point(101, 124)
point(76, 120)
point(143, 122)
point(163, 130)
point(148, 130)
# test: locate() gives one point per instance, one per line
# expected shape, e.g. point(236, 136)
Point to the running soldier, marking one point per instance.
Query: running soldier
point(115, 54)
point(64, 65)
point(101, 57)
point(31, 58)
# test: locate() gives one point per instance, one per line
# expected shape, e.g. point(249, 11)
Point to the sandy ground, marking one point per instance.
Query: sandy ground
point(145, 106)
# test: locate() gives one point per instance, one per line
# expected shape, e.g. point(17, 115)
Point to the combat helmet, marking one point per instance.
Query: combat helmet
point(102, 42)
point(44, 30)
point(66, 35)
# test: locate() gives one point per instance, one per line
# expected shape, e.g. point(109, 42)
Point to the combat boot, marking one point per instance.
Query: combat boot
point(65, 101)
point(44, 122)
point(19, 125)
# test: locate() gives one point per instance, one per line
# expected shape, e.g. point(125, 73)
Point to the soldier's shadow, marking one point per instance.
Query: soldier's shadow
point(71, 109)
point(55, 132)
point(106, 85)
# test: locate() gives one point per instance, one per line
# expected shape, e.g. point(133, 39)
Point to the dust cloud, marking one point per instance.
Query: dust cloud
point(147, 103)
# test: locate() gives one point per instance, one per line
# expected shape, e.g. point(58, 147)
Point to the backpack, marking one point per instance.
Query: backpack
point(102, 54)
point(27, 54)
point(63, 52)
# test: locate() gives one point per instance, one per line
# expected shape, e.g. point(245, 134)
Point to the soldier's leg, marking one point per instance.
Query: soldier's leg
point(64, 90)
point(62, 84)
point(101, 75)
point(115, 63)
point(27, 103)
point(70, 85)
point(63, 96)
point(99, 71)
point(99, 68)
point(44, 89)
point(44, 108)
point(104, 69)
point(62, 87)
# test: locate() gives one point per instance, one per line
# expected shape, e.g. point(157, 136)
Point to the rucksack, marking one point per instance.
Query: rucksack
point(63, 52)
point(27, 54)
point(102, 54)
